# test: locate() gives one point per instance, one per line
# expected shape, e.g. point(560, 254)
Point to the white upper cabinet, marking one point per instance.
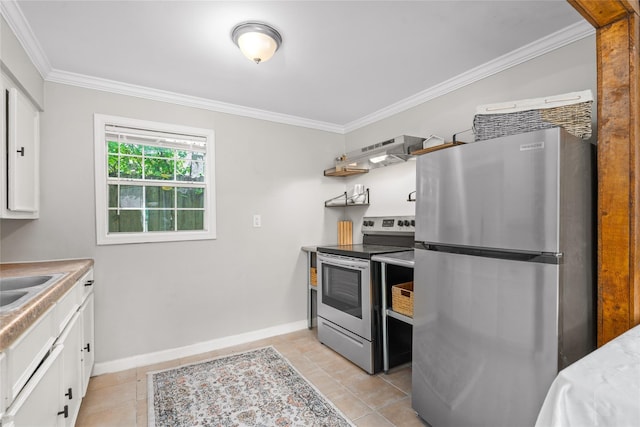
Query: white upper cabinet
point(20, 154)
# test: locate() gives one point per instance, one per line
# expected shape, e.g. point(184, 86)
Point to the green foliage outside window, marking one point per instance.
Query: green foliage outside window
point(161, 207)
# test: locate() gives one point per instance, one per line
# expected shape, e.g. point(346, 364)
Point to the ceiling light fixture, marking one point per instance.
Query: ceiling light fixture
point(257, 40)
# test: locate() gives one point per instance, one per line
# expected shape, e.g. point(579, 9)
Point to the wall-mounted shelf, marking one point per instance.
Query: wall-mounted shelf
point(344, 172)
point(344, 200)
point(436, 148)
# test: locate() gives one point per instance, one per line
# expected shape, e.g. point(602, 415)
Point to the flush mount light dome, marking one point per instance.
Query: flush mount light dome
point(257, 41)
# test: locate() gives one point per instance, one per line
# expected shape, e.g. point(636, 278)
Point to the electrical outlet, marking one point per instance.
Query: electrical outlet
point(257, 221)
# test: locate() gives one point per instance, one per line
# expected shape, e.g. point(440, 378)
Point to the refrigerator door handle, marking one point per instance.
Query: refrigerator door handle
point(540, 257)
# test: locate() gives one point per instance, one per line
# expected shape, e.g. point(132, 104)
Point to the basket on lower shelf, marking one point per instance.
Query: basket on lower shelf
point(314, 277)
point(402, 298)
point(571, 111)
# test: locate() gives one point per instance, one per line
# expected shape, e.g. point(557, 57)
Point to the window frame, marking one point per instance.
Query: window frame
point(103, 237)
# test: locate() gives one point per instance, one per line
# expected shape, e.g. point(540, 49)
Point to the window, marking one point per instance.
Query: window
point(154, 181)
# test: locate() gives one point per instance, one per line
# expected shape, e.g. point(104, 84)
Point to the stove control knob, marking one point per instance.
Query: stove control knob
point(413, 222)
point(405, 223)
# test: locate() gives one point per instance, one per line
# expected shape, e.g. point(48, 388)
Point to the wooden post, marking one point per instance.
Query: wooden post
point(617, 25)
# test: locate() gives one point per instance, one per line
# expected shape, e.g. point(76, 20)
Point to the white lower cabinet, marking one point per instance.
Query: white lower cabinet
point(3, 384)
point(38, 404)
point(88, 353)
point(45, 373)
point(71, 384)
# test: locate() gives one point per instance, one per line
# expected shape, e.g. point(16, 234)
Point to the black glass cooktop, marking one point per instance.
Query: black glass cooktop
point(365, 251)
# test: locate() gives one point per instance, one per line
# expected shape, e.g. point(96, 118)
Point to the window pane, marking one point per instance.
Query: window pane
point(159, 169)
point(190, 198)
point(113, 165)
point(189, 170)
point(125, 221)
point(158, 151)
point(160, 197)
point(130, 196)
point(190, 220)
point(113, 196)
point(112, 147)
point(130, 167)
point(160, 220)
point(131, 149)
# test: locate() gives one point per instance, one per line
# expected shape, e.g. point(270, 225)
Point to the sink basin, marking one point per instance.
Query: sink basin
point(7, 298)
point(14, 283)
point(16, 291)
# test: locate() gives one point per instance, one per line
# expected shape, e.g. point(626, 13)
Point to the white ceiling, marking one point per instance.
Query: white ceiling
point(342, 64)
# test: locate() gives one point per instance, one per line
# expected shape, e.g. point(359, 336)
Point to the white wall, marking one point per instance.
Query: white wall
point(16, 63)
point(568, 69)
point(152, 297)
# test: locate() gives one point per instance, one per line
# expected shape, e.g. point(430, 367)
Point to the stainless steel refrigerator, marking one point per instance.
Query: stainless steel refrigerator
point(504, 276)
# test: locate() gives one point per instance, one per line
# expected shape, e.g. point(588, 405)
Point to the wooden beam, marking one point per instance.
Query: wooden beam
point(600, 13)
point(617, 37)
point(634, 161)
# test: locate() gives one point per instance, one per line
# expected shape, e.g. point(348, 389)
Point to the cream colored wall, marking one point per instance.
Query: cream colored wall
point(16, 63)
point(571, 68)
point(153, 297)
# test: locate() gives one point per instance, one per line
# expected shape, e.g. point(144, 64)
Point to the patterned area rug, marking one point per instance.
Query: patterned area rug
point(256, 388)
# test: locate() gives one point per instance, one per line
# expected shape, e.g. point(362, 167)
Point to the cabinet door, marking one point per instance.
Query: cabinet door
point(22, 153)
point(38, 404)
point(3, 384)
point(88, 355)
point(71, 388)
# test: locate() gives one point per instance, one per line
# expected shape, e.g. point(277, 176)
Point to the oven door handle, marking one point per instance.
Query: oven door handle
point(342, 262)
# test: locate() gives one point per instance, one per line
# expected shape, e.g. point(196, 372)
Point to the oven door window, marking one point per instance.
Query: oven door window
point(342, 289)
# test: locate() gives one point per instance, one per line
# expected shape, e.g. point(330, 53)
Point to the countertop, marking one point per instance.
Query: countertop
point(310, 248)
point(404, 259)
point(16, 322)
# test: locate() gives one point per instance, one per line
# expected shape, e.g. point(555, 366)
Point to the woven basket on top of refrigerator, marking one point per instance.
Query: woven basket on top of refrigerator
point(571, 111)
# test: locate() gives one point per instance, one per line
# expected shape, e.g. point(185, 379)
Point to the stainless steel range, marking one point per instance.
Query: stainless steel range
point(349, 316)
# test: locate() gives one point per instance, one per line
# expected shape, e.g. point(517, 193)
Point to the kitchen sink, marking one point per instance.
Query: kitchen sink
point(13, 283)
point(16, 291)
point(9, 297)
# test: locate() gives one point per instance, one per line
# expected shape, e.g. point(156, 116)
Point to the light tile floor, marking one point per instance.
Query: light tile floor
point(120, 399)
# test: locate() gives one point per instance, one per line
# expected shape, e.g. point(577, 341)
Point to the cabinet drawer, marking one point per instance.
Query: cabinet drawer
point(67, 306)
point(26, 353)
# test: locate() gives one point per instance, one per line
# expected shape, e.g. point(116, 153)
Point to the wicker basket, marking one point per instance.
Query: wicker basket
point(314, 277)
point(402, 298)
point(572, 111)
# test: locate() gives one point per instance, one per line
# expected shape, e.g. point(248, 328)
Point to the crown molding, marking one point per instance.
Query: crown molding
point(537, 48)
point(18, 23)
point(112, 86)
point(20, 27)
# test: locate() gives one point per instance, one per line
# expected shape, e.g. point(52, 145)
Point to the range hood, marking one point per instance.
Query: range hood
point(383, 153)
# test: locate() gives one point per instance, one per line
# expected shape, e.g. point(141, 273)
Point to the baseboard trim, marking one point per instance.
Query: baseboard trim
point(190, 350)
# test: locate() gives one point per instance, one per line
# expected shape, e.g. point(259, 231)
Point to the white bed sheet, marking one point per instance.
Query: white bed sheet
point(601, 389)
